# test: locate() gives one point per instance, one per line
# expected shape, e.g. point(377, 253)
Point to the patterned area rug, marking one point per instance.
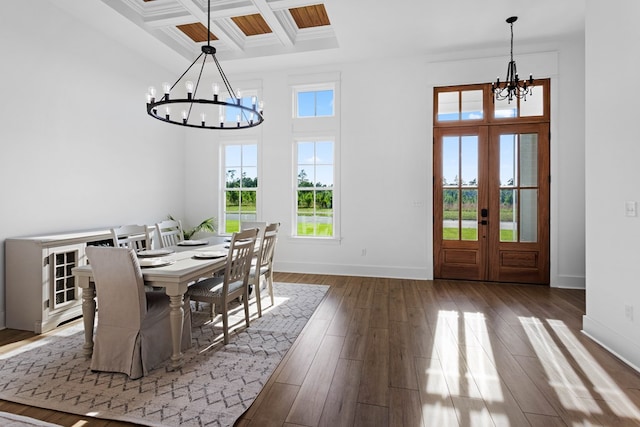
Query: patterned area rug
point(13, 420)
point(214, 387)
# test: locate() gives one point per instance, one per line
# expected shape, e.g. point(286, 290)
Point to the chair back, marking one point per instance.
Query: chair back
point(260, 225)
point(169, 233)
point(134, 237)
point(241, 251)
point(119, 286)
point(267, 246)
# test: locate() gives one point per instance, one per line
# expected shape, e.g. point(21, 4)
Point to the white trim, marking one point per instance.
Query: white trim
point(393, 272)
point(611, 339)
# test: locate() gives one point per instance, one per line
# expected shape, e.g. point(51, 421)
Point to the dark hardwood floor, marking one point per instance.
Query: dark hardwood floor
point(390, 352)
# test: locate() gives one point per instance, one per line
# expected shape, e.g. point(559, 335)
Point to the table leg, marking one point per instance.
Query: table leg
point(88, 317)
point(176, 316)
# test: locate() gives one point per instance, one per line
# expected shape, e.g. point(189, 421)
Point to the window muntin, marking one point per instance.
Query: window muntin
point(314, 101)
point(240, 186)
point(460, 105)
point(315, 188)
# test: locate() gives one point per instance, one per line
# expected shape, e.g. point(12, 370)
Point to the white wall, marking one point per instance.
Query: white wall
point(77, 150)
point(385, 158)
point(612, 153)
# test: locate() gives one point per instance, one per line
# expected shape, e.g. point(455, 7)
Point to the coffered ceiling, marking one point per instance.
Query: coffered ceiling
point(267, 34)
point(239, 29)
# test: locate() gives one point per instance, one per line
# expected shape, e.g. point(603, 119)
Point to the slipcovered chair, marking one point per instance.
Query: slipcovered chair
point(219, 291)
point(262, 267)
point(133, 335)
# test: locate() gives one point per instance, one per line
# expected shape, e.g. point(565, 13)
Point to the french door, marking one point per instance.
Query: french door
point(491, 202)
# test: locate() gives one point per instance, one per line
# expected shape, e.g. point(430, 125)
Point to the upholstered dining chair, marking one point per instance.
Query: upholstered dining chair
point(262, 267)
point(135, 237)
point(219, 291)
point(169, 233)
point(133, 335)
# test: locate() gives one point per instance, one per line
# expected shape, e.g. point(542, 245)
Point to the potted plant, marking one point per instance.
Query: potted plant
point(208, 225)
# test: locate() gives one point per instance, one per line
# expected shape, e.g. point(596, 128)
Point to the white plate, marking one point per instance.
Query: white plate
point(210, 254)
point(193, 243)
point(155, 252)
point(154, 262)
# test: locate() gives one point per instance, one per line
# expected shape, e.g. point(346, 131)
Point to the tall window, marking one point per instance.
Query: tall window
point(315, 188)
point(241, 185)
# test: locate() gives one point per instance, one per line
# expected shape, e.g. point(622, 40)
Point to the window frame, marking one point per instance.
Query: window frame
point(222, 223)
point(315, 87)
point(316, 138)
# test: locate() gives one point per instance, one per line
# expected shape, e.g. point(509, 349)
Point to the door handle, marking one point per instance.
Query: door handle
point(483, 222)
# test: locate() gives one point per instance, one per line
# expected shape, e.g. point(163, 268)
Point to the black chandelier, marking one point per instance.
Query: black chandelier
point(216, 112)
point(512, 87)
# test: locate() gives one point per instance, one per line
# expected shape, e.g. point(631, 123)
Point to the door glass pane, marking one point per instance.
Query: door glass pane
point(469, 159)
point(448, 106)
point(504, 108)
point(508, 163)
point(534, 105)
point(470, 215)
point(472, 105)
point(529, 160)
point(508, 215)
point(450, 215)
point(450, 160)
point(528, 215)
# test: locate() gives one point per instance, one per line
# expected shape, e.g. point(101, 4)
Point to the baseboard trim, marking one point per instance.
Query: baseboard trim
point(621, 347)
point(569, 282)
point(355, 270)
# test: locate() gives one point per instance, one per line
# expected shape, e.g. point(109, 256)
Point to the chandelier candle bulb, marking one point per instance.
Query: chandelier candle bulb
point(167, 113)
point(152, 93)
point(167, 88)
point(216, 89)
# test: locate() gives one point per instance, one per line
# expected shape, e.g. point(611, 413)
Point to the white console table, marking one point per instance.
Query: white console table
point(41, 292)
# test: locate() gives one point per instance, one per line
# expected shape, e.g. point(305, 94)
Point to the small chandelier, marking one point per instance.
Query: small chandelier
point(512, 87)
point(213, 112)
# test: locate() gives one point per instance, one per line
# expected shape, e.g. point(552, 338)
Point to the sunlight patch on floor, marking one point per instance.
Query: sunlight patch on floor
point(602, 384)
point(567, 384)
point(480, 358)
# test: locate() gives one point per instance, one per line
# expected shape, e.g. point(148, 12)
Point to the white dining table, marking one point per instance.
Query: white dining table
point(185, 267)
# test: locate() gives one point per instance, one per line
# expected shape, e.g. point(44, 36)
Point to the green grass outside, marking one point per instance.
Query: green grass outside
point(506, 215)
point(304, 229)
point(472, 234)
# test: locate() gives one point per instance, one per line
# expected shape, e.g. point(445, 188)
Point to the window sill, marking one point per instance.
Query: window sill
point(319, 240)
